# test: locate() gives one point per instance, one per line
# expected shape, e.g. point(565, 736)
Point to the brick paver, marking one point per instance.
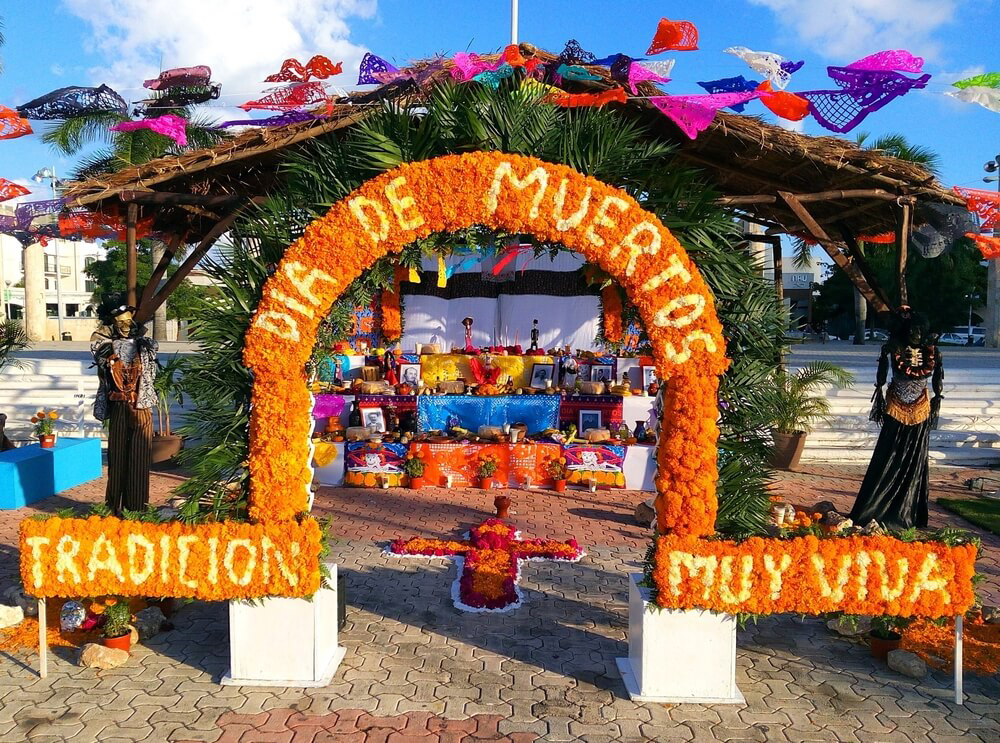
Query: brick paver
point(417, 669)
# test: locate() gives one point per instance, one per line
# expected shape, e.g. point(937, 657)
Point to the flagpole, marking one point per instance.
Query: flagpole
point(513, 21)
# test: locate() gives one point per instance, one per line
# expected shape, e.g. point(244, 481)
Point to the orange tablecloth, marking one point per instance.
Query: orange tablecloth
point(515, 462)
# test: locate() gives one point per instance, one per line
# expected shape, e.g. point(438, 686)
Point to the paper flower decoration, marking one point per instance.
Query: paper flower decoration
point(186, 77)
point(681, 36)
point(371, 64)
point(65, 103)
point(781, 103)
point(283, 119)
point(293, 71)
point(575, 72)
point(768, 64)
point(899, 60)
point(987, 80)
point(988, 98)
point(738, 84)
point(492, 78)
point(168, 125)
point(638, 73)
point(694, 113)
point(468, 65)
point(863, 92)
point(12, 125)
point(988, 246)
point(10, 190)
point(985, 204)
point(292, 96)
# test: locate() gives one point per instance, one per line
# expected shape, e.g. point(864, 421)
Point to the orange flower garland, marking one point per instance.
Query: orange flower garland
point(808, 575)
point(611, 303)
point(108, 556)
point(523, 195)
point(936, 644)
point(392, 318)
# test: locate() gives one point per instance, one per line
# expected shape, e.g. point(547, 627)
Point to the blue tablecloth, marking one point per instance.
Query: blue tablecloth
point(537, 412)
point(31, 473)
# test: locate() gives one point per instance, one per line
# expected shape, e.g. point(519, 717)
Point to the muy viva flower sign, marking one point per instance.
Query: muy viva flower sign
point(98, 556)
point(807, 575)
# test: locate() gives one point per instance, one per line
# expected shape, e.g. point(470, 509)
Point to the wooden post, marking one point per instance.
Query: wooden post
point(779, 285)
point(957, 661)
point(43, 641)
point(131, 255)
point(902, 247)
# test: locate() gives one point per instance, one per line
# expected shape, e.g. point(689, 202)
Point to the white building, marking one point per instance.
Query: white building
point(67, 288)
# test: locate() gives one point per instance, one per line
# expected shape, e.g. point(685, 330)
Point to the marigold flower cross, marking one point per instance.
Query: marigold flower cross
point(489, 562)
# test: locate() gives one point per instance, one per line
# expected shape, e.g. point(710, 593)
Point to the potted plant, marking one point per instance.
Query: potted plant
point(116, 632)
point(45, 427)
point(797, 404)
point(166, 444)
point(487, 466)
point(885, 635)
point(557, 471)
point(414, 467)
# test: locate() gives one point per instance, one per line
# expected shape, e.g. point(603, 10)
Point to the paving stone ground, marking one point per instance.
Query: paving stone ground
point(416, 669)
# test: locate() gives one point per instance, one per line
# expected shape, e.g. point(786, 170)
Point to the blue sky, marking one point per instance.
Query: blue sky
point(86, 42)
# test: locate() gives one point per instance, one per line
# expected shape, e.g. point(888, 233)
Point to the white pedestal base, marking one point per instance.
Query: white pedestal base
point(679, 656)
point(284, 641)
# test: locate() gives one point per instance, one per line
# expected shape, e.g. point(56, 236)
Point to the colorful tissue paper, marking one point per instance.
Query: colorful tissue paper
point(986, 80)
point(694, 113)
point(371, 64)
point(168, 125)
point(782, 103)
point(681, 36)
point(293, 71)
point(988, 98)
point(199, 75)
point(898, 60)
point(768, 64)
point(10, 190)
point(985, 204)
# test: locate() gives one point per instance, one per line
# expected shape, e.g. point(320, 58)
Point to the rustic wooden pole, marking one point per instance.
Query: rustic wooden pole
point(902, 249)
point(957, 661)
point(779, 285)
point(833, 250)
point(131, 253)
point(149, 307)
point(43, 641)
point(161, 268)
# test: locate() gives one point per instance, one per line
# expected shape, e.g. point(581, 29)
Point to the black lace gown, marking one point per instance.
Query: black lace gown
point(896, 486)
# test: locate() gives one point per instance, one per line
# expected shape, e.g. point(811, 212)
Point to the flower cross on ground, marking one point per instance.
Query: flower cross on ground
point(488, 562)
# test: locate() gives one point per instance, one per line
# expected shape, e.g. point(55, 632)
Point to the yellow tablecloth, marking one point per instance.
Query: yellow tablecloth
point(447, 367)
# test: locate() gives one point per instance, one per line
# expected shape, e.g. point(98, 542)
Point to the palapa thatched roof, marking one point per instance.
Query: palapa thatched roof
point(749, 161)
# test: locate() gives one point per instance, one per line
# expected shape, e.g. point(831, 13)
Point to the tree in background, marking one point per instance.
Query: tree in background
point(937, 286)
point(108, 275)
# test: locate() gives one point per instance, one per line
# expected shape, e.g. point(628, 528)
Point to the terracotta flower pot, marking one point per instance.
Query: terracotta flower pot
point(48, 441)
point(560, 486)
point(118, 643)
point(166, 448)
point(787, 449)
point(881, 646)
point(417, 482)
point(486, 483)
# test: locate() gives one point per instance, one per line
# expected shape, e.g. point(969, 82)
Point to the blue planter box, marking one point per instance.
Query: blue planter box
point(31, 473)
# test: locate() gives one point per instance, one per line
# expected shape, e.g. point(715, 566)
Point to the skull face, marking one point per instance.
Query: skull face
point(589, 459)
point(372, 461)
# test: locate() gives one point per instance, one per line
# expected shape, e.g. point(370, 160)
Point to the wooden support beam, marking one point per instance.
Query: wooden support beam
point(164, 198)
point(833, 250)
point(131, 253)
point(857, 254)
point(855, 193)
point(905, 215)
point(161, 268)
point(147, 310)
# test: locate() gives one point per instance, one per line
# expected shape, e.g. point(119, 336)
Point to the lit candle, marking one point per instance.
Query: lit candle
point(448, 480)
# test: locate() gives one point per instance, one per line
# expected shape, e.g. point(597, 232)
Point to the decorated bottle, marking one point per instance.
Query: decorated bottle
point(354, 417)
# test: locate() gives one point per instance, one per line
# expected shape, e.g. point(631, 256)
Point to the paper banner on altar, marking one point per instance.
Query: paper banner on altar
point(537, 412)
point(10, 190)
point(367, 463)
point(602, 465)
point(898, 60)
point(293, 71)
point(985, 204)
point(328, 406)
point(681, 36)
point(773, 66)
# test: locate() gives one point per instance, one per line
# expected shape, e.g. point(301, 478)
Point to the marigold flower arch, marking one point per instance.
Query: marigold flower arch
point(523, 195)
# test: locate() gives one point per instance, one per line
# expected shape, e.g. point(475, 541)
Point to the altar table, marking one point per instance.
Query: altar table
point(30, 473)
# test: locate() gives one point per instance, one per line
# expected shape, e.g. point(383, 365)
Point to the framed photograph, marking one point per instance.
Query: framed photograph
point(589, 419)
point(373, 416)
point(541, 375)
point(584, 373)
point(409, 373)
point(602, 373)
point(648, 376)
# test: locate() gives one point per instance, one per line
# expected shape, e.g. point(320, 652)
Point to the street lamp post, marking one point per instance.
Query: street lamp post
point(49, 174)
point(993, 272)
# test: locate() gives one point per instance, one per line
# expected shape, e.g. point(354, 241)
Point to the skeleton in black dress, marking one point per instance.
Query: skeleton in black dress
point(895, 489)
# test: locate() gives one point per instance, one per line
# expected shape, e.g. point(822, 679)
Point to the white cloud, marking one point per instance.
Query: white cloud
point(58, 70)
point(846, 30)
point(242, 42)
